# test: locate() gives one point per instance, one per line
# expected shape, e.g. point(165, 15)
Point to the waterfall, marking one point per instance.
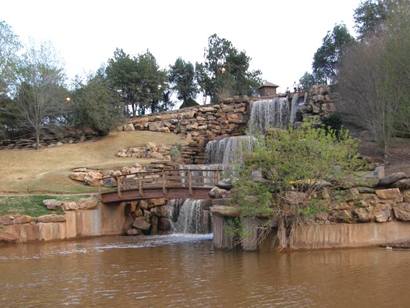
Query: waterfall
point(269, 113)
point(294, 108)
point(297, 101)
point(229, 150)
point(190, 216)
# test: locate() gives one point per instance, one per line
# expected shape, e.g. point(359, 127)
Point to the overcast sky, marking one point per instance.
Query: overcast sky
point(280, 35)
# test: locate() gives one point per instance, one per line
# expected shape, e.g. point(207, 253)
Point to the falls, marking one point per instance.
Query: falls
point(268, 113)
point(190, 216)
point(229, 150)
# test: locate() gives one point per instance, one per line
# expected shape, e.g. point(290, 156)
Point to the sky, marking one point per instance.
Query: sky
point(280, 36)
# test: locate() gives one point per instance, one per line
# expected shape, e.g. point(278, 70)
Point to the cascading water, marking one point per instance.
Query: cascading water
point(189, 216)
point(268, 113)
point(229, 150)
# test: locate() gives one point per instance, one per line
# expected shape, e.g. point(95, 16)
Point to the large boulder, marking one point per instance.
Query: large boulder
point(402, 211)
point(52, 204)
point(141, 224)
point(51, 218)
point(93, 178)
point(6, 220)
point(391, 179)
point(362, 214)
point(225, 184)
point(382, 212)
point(164, 224)
point(22, 219)
point(393, 194)
point(218, 193)
point(402, 184)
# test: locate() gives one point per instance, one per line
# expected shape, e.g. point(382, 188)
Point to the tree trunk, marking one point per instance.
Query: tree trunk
point(37, 133)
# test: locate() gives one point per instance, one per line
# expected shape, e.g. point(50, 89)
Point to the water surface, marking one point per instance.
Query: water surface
point(184, 271)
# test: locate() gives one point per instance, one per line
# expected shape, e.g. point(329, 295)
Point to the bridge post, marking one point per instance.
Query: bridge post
point(118, 179)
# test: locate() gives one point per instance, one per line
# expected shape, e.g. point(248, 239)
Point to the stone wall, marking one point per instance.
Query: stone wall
point(361, 211)
point(200, 124)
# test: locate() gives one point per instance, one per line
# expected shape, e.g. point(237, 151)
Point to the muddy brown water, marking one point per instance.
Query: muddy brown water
point(184, 271)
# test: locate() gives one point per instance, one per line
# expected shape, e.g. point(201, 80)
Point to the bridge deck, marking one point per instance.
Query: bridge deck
point(170, 184)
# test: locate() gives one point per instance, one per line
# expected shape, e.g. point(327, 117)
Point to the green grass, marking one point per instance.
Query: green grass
point(31, 205)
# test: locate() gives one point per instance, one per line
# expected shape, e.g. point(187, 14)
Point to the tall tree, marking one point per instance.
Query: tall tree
point(41, 93)
point(326, 58)
point(9, 46)
point(139, 81)
point(96, 105)
point(371, 15)
point(182, 79)
point(225, 71)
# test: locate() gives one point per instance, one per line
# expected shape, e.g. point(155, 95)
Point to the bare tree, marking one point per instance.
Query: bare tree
point(374, 87)
point(41, 93)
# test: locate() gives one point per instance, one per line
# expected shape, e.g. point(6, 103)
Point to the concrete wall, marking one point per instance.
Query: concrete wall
point(315, 236)
point(103, 220)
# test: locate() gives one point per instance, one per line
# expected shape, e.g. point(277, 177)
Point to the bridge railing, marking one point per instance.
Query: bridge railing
point(189, 178)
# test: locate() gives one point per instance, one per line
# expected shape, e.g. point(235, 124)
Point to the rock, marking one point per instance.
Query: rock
point(6, 220)
point(78, 176)
point(144, 205)
point(87, 203)
point(295, 197)
point(362, 215)
point(161, 211)
point(93, 178)
point(157, 202)
point(69, 206)
point(129, 127)
point(217, 192)
point(402, 184)
point(52, 204)
point(141, 224)
point(156, 155)
point(51, 218)
point(402, 211)
point(164, 224)
point(390, 194)
point(406, 195)
point(343, 216)
point(231, 211)
point(391, 179)
point(366, 190)
point(322, 217)
point(382, 213)
point(133, 232)
point(22, 219)
point(225, 184)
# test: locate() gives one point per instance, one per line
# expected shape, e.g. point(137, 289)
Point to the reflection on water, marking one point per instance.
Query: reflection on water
point(184, 270)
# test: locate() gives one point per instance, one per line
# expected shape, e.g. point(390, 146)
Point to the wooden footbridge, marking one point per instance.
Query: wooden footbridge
point(192, 183)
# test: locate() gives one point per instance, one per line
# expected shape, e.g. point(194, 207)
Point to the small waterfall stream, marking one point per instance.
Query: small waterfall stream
point(229, 150)
point(189, 216)
point(268, 113)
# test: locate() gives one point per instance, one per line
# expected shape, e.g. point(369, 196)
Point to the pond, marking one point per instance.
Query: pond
point(185, 271)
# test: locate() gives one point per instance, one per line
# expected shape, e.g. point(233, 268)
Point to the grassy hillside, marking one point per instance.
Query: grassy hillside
point(47, 170)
